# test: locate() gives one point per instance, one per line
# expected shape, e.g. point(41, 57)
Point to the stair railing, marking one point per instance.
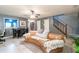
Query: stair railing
point(60, 26)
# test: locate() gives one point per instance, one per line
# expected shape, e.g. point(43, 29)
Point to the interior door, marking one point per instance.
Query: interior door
point(46, 24)
point(38, 25)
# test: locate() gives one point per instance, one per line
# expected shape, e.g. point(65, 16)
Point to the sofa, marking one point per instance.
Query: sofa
point(53, 43)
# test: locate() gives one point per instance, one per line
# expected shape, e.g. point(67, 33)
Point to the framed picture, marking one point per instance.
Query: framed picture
point(22, 23)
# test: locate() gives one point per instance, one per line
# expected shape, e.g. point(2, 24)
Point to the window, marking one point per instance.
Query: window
point(10, 23)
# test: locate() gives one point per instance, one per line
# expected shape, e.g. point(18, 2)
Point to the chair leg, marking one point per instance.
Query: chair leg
point(2, 40)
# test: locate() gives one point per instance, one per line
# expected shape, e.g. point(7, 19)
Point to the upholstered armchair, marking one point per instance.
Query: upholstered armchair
point(1, 36)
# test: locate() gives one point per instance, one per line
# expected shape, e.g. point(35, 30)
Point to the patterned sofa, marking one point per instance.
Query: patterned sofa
point(53, 43)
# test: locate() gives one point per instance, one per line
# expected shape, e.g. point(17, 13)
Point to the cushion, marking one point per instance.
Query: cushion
point(40, 35)
point(40, 31)
point(43, 35)
point(45, 32)
point(33, 32)
point(55, 36)
point(38, 38)
point(26, 34)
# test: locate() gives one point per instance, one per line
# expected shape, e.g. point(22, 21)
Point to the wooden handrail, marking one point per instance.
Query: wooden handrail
point(60, 26)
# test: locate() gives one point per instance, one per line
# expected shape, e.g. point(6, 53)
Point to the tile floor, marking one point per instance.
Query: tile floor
point(17, 45)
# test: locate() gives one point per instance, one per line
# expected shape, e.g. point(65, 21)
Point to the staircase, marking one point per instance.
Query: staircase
point(62, 26)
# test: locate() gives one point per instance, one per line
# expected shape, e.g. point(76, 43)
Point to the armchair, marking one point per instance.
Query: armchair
point(2, 34)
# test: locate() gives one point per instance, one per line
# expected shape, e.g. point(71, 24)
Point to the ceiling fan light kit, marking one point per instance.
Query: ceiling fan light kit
point(33, 16)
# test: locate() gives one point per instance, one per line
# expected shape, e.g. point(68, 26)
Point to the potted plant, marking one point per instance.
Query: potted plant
point(76, 45)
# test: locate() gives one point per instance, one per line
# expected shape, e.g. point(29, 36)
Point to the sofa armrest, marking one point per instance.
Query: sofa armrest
point(53, 44)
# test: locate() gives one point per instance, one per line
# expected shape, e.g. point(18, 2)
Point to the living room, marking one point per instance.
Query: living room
point(23, 29)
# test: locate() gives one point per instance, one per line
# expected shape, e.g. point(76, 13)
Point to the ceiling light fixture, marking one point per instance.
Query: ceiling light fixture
point(34, 16)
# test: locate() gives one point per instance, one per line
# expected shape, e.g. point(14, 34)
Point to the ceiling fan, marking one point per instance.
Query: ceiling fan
point(34, 14)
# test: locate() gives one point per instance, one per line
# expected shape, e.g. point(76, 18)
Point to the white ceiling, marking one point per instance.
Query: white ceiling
point(43, 10)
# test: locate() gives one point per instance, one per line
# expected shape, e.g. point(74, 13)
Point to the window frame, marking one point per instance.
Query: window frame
point(11, 26)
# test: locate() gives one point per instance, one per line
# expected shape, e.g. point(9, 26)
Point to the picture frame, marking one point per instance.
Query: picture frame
point(22, 23)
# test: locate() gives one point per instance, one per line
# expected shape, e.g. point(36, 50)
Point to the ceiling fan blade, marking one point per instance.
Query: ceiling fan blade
point(38, 14)
point(32, 11)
